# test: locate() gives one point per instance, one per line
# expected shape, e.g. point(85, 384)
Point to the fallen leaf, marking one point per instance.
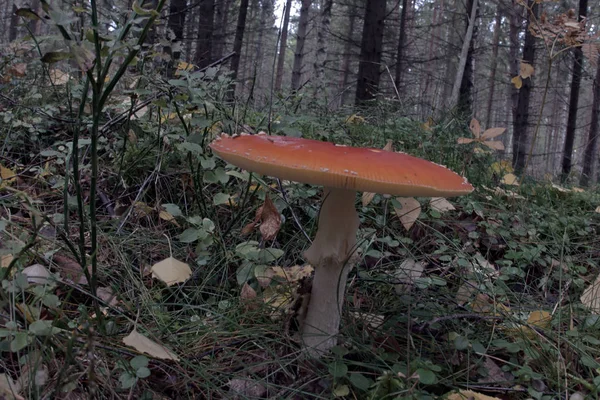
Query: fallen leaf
point(7, 175)
point(58, 77)
point(440, 204)
point(407, 273)
point(70, 269)
point(166, 216)
point(37, 273)
point(597, 209)
point(268, 220)
point(469, 395)
point(540, 319)
point(247, 293)
point(526, 70)
point(373, 320)
point(410, 211)
point(495, 374)
point(9, 390)
point(5, 260)
point(517, 82)
point(503, 166)
point(591, 296)
point(245, 388)
point(107, 295)
point(144, 345)
point(171, 271)
point(465, 292)
point(292, 274)
point(510, 179)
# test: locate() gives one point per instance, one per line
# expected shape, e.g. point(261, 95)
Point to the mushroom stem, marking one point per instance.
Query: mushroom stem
point(331, 254)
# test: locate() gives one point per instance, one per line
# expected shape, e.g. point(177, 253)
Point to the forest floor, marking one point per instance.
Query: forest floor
point(490, 294)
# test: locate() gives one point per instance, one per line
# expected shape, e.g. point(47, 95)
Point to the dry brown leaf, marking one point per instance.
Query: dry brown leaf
point(410, 211)
point(440, 204)
point(494, 144)
point(463, 140)
point(492, 133)
point(494, 373)
point(247, 293)
point(171, 271)
point(475, 128)
point(465, 292)
point(291, 274)
point(9, 390)
point(591, 296)
point(107, 295)
point(517, 82)
point(267, 219)
point(58, 77)
point(526, 70)
point(70, 269)
point(144, 345)
point(5, 260)
point(166, 216)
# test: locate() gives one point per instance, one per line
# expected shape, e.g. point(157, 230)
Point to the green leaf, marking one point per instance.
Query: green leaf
point(19, 342)
point(341, 391)
point(190, 235)
point(191, 147)
point(269, 255)
point(138, 362)
point(337, 369)
point(426, 376)
point(244, 273)
point(142, 373)
point(208, 163)
point(141, 11)
point(56, 56)
point(28, 13)
point(42, 328)
point(461, 343)
point(360, 381)
point(172, 209)
point(221, 198)
point(127, 380)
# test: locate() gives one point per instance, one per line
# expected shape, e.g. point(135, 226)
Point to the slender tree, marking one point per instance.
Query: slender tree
point(567, 161)
point(463, 83)
point(300, 42)
point(520, 134)
point(494, 65)
point(371, 47)
point(401, 44)
point(175, 24)
point(591, 148)
point(220, 33)
point(204, 46)
point(322, 34)
point(282, 45)
point(237, 47)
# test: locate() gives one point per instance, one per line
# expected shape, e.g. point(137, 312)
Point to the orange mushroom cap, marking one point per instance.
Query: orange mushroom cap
point(326, 164)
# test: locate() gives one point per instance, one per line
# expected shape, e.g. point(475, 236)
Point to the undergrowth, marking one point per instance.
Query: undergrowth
point(494, 306)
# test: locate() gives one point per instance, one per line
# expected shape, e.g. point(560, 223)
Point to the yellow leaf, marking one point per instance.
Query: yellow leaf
point(494, 144)
point(291, 274)
point(171, 271)
point(144, 345)
point(164, 215)
point(7, 175)
point(517, 82)
point(502, 166)
point(410, 211)
point(469, 395)
point(526, 70)
point(540, 319)
point(475, 128)
point(5, 260)
point(510, 179)
point(440, 204)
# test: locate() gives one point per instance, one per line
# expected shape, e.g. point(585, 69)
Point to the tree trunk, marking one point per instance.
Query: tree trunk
point(494, 66)
point(13, 31)
point(345, 67)
point(401, 45)
point(520, 134)
point(266, 10)
point(370, 51)
point(237, 47)
point(220, 33)
point(592, 142)
point(204, 46)
point(515, 13)
point(321, 54)
point(176, 22)
point(463, 83)
point(282, 46)
point(300, 41)
point(567, 161)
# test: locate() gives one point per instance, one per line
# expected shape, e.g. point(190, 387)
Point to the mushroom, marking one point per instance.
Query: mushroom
point(343, 171)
